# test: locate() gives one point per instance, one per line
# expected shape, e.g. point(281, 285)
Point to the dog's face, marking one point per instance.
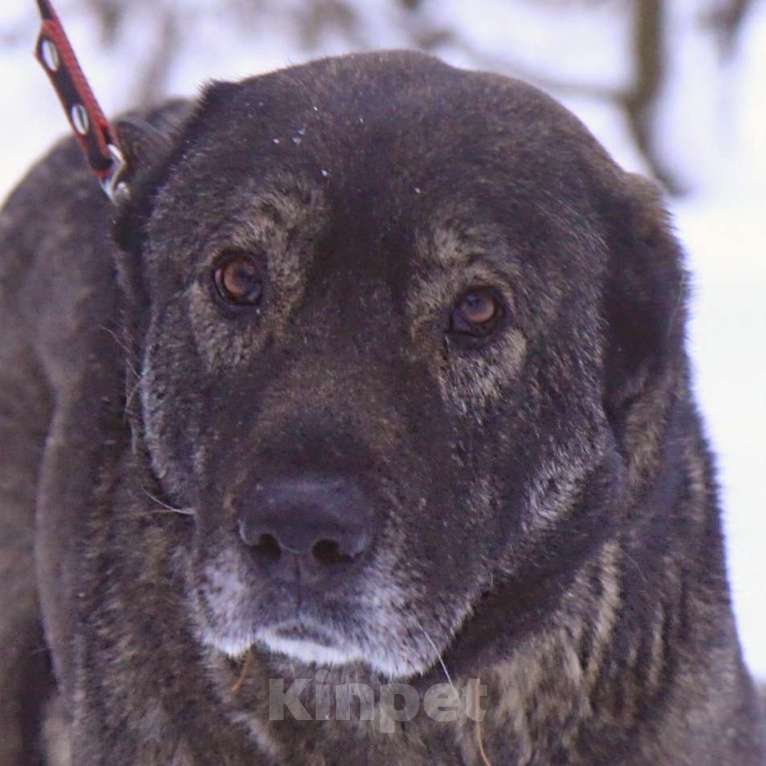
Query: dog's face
point(395, 318)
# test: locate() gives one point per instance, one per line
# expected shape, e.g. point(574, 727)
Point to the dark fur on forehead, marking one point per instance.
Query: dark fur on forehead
point(376, 100)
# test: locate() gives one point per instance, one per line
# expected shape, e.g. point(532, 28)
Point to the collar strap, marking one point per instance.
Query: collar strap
point(91, 128)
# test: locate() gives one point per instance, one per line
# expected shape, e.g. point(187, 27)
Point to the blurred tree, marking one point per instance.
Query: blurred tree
point(419, 24)
point(640, 100)
point(726, 18)
point(110, 15)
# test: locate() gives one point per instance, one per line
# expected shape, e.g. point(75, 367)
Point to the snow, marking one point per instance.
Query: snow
point(714, 131)
point(724, 232)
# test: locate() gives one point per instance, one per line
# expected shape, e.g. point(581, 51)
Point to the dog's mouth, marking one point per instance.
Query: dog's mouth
point(366, 620)
point(307, 641)
point(300, 624)
point(301, 631)
point(300, 639)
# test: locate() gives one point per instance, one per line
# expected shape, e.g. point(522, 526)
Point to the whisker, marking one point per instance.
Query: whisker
point(167, 508)
point(133, 391)
point(131, 359)
point(478, 731)
point(441, 659)
point(132, 364)
point(174, 511)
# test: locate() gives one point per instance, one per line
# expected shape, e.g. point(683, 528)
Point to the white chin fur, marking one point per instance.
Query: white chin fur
point(307, 651)
point(294, 648)
point(388, 665)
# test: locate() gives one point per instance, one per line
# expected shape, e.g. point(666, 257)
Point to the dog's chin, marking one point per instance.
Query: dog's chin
point(308, 646)
point(314, 648)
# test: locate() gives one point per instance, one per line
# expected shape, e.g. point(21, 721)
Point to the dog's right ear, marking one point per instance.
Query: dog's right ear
point(644, 311)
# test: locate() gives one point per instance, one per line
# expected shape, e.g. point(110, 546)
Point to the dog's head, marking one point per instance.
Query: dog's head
point(400, 329)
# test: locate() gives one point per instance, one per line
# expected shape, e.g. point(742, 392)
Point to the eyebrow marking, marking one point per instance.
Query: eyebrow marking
point(451, 256)
point(281, 219)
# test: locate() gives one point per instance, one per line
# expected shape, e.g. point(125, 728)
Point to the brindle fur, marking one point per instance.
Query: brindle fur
point(548, 510)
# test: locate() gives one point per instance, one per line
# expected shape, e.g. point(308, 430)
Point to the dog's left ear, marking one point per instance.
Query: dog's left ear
point(143, 145)
point(644, 301)
point(146, 148)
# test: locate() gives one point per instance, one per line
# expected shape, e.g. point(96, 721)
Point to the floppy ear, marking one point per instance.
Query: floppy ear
point(147, 144)
point(644, 300)
point(143, 145)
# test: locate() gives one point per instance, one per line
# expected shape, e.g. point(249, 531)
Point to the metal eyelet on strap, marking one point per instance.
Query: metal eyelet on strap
point(114, 188)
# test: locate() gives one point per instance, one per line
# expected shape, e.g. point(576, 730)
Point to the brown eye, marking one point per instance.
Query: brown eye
point(238, 280)
point(477, 312)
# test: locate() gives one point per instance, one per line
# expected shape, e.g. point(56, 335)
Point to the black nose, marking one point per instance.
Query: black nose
point(308, 527)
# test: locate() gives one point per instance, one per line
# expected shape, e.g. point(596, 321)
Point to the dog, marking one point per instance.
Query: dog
point(375, 384)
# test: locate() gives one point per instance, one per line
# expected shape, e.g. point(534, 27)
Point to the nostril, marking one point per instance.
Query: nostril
point(327, 552)
point(308, 526)
point(267, 548)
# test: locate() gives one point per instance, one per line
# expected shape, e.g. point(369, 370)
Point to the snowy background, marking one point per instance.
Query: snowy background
point(704, 134)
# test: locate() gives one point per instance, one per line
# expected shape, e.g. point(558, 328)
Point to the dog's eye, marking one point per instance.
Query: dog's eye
point(477, 312)
point(238, 279)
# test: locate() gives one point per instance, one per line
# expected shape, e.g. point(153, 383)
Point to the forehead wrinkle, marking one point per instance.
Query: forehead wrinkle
point(275, 211)
point(456, 237)
point(265, 213)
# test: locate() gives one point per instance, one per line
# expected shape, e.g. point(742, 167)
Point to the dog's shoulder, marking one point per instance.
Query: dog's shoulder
point(57, 273)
